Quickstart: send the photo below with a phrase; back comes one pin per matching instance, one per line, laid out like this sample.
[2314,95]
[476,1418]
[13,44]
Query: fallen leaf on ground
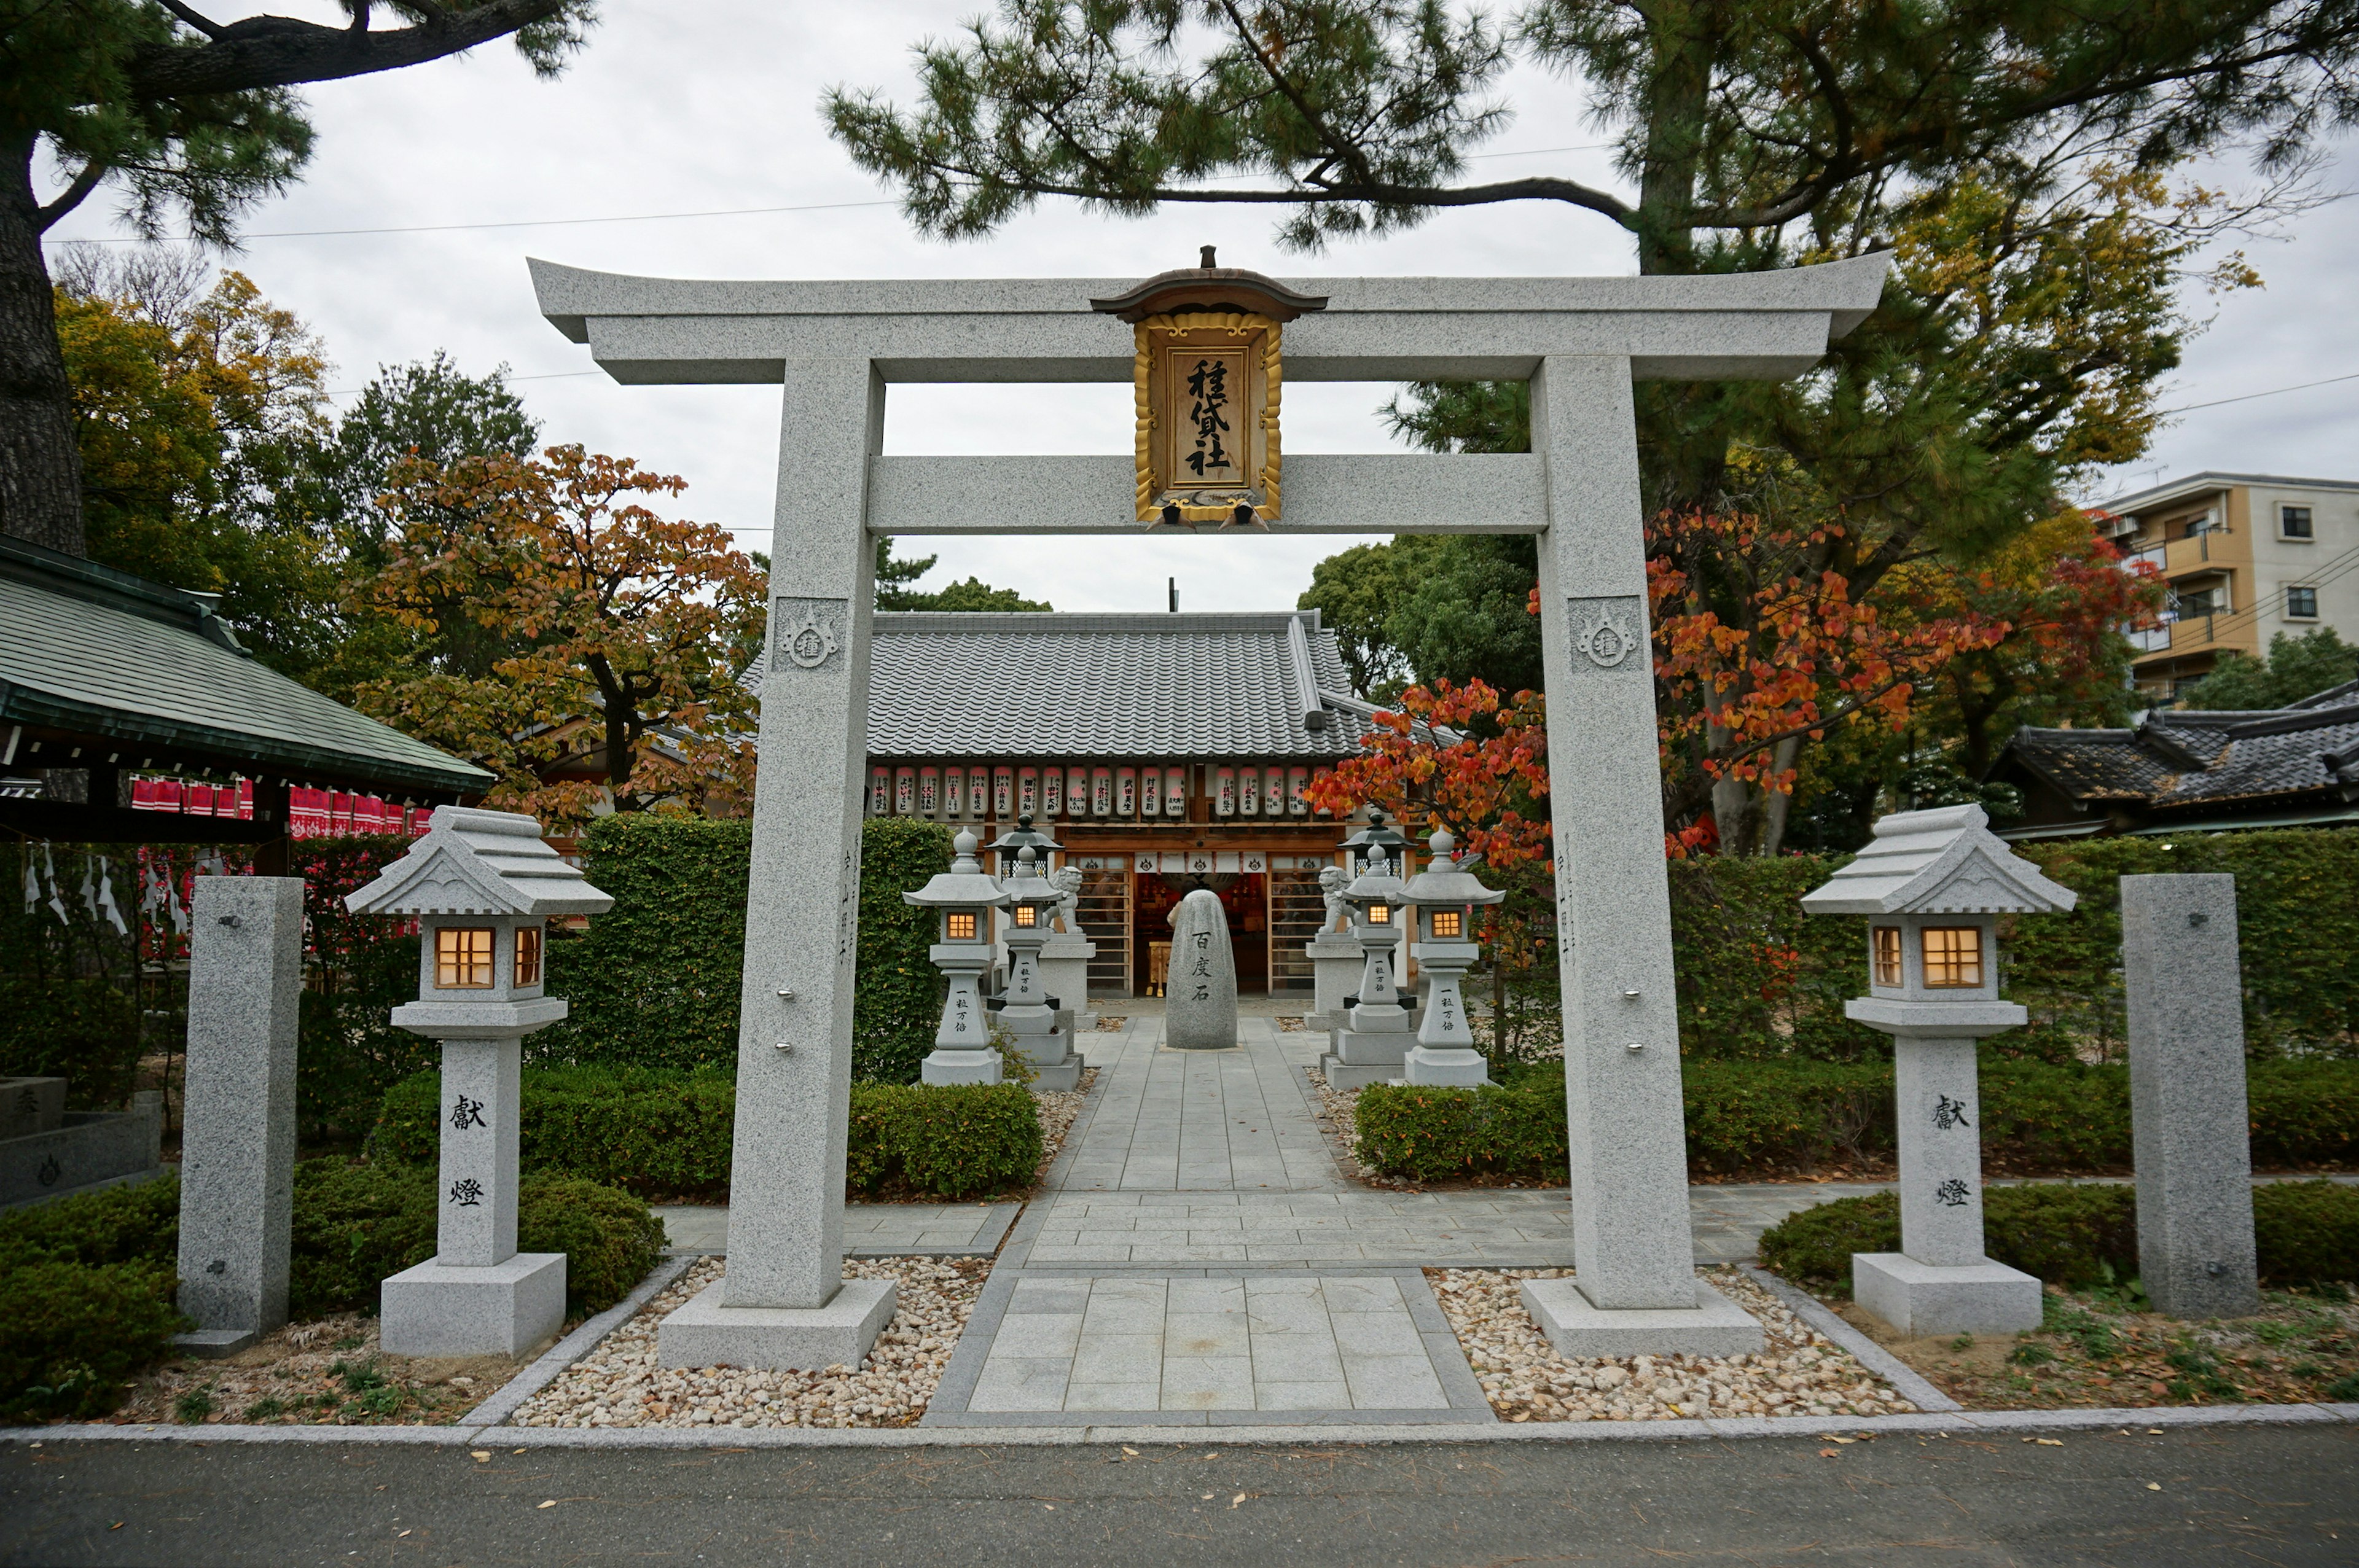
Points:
[1236,1501]
[551,1504]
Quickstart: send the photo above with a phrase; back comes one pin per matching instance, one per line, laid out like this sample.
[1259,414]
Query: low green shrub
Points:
[644,1129]
[1430,1134]
[70,1334]
[354,1224]
[2306,1233]
[663,1133]
[1744,1113]
[2303,1112]
[2303,1232]
[952,1142]
[119,1225]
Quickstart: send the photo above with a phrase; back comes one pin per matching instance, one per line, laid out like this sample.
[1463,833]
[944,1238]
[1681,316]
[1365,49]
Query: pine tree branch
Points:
[202,24]
[281,52]
[72,196]
[1536,189]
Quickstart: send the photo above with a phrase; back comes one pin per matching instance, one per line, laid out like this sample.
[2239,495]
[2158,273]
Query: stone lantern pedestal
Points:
[1933,884]
[1372,1044]
[482,885]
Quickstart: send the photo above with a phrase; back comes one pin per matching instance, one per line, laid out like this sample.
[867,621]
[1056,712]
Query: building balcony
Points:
[2215,550]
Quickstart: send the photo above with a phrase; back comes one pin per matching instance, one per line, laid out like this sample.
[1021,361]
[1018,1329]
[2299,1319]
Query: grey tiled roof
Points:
[2184,759]
[92,650]
[1147,686]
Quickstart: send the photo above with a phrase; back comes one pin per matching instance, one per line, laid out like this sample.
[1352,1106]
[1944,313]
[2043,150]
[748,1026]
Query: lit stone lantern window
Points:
[463,958]
[1206,383]
[1934,885]
[527,955]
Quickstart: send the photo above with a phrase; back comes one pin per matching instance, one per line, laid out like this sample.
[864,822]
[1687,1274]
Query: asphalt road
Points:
[2269,1495]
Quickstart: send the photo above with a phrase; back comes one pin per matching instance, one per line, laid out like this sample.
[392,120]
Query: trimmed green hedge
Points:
[655,982]
[669,1134]
[87,1283]
[2303,1232]
[86,1290]
[644,1129]
[1746,1115]
[1757,977]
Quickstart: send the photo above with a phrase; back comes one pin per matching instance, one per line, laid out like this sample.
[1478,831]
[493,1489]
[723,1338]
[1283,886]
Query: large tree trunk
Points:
[40,465]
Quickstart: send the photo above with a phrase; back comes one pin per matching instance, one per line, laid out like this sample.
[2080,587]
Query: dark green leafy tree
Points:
[193,120]
[2297,667]
[896,589]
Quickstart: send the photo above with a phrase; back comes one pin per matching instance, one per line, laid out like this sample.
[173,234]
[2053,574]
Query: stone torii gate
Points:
[834,347]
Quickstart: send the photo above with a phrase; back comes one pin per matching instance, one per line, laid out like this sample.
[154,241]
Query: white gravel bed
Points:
[1803,1373]
[619,1384]
[1059,1109]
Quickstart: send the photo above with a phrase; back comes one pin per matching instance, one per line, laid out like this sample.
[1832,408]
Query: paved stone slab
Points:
[1158,1348]
[870,1231]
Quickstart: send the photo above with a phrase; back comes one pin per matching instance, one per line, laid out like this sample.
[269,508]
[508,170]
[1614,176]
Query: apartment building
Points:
[2246,555]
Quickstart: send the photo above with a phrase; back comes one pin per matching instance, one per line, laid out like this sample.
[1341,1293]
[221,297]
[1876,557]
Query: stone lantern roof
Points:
[1209,287]
[480,863]
[966,885]
[1942,862]
[1446,881]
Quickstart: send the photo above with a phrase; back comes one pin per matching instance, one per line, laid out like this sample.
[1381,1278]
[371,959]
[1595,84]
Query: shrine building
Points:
[1163,751]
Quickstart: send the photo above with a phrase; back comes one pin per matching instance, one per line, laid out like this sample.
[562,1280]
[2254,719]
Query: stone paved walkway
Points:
[1166,1121]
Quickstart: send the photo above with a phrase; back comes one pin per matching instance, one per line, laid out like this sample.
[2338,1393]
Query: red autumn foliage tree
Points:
[1454,757]
[1759,646]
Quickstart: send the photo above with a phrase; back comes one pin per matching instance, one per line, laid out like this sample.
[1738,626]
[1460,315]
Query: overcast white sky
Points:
[685,108]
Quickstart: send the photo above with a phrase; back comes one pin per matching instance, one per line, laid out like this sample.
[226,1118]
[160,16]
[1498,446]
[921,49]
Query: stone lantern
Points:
[482,885]
[1379,834]
[1026,1008]
[1442,901]
[963,898]
[1933,884]
[1023,836]
[1374,1040]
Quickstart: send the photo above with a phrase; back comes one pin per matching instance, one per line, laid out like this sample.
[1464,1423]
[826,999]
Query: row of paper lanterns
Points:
[998,793]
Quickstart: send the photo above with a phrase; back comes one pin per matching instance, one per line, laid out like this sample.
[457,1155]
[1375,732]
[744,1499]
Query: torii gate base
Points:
[833,347]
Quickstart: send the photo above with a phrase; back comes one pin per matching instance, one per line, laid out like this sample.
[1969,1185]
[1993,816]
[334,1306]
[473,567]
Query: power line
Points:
[2247,397]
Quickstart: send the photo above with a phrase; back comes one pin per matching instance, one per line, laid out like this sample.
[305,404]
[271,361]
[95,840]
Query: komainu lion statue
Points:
[1066,880]
[1332,881]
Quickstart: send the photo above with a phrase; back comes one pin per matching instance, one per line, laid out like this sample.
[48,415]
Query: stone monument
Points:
[963,899]
[482,885]
[833,347]
[1027,1012]
[2184,990]
[49,1153]
[1934,884]
[1374,1040]
[1335,959]
[1065,955]
[1200,1008]
[237,1125]
[1443,899]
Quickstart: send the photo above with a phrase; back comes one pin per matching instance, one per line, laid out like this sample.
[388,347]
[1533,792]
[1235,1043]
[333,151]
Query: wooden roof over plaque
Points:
[1210,287]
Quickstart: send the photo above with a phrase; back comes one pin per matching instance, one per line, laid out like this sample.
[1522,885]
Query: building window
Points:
[463,958]
[959,925]
[2302,604]
[1888,954]
[1448,922]
[1954,957]
[2203,601]
[2293,522]
[527,955]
